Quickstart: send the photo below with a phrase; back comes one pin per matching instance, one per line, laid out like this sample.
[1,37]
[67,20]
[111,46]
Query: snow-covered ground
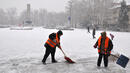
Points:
[21,51]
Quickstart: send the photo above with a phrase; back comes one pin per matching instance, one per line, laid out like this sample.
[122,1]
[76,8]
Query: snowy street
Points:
[21,51]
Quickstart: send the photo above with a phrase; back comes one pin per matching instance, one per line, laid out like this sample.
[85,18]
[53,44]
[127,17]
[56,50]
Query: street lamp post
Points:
[70,13]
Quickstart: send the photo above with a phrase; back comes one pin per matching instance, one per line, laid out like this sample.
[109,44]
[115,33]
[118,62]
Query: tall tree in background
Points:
[3,17]
[42,17]
[123,16]
[12,16]
[85,12]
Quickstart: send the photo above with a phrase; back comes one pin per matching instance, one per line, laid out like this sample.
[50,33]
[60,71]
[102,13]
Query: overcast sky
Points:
[50,5]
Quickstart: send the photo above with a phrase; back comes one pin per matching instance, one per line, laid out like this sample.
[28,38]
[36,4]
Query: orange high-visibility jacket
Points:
[53,43]
[105,49]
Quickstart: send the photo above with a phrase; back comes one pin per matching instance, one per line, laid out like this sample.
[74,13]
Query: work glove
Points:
[59,46]
[95,46]
[108,54]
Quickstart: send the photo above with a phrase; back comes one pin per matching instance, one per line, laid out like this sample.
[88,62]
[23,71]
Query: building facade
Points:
[115,14]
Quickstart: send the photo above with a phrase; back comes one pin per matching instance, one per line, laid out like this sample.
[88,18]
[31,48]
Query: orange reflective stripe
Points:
[51,43]
[106,44]
[99,41]
[57,40]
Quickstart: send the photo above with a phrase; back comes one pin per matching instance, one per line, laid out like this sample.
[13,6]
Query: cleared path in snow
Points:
[34,65]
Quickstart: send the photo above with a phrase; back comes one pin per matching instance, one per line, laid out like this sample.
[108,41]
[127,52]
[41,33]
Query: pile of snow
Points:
[22,51]
[4,26]
[64,28]
[21,28]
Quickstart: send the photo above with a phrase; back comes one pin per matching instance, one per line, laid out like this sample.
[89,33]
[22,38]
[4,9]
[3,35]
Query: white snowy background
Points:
[21,51]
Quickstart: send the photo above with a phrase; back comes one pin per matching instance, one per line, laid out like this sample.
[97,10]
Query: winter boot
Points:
[54,61]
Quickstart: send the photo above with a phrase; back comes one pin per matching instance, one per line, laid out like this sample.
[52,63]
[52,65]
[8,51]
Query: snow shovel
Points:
[67,58]
[122,60]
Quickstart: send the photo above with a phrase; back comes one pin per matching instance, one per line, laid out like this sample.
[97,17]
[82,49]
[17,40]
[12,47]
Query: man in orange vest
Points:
[50,45]
[105,46]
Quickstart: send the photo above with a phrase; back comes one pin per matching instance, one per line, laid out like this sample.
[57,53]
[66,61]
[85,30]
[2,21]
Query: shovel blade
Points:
[69,60]
[122,61]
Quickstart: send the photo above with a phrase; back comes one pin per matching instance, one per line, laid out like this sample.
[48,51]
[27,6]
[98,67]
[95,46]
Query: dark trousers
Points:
[49,50]
[105,57]
[93,36]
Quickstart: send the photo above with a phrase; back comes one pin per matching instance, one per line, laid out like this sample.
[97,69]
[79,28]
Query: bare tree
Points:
[3,17]
[90,11]
[12,16]
[42,17]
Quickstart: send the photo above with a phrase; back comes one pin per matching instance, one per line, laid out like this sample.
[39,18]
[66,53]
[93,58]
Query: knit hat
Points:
[60,32]
[103,33]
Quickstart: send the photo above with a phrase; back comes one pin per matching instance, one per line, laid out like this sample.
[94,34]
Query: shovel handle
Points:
[114,56]
[62,51]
